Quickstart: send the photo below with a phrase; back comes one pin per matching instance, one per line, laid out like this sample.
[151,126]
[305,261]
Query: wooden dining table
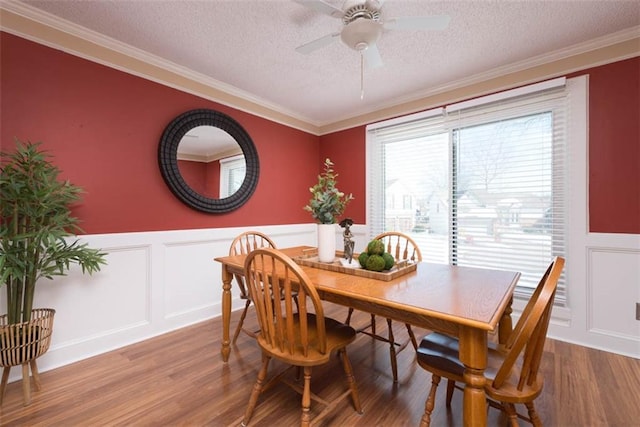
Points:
[465,302]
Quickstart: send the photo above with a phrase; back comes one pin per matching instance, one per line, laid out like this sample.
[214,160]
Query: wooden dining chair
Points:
[301,338]
[512,370]
[403,248]
[242,245]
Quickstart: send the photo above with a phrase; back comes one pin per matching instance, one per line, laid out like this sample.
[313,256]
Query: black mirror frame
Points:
[168,160]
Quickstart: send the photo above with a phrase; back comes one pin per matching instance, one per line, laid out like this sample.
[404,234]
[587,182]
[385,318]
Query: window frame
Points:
[576,174]
[227,165]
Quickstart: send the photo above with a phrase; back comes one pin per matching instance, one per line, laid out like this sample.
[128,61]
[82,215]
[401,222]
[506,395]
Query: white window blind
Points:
[408,170]
[483,185]
[232,173]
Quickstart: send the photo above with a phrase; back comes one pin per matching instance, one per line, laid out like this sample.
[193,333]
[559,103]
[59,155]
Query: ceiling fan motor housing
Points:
[362,27]
[360,11]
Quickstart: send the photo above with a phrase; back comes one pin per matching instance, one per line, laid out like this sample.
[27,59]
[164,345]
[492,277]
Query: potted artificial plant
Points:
[36,241]
[326,205]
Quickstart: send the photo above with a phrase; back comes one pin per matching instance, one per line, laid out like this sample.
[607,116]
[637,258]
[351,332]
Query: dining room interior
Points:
[156,336]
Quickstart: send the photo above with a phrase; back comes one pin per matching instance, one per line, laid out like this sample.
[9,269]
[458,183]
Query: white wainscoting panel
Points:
[614,278]
[190,277]
[603,280]
[115,299]
[153,283]
[156,282]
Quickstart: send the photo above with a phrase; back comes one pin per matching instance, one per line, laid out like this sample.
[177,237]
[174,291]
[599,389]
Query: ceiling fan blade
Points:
[435,22]
[322,7]
[314,45]
[375,4]
[372,57]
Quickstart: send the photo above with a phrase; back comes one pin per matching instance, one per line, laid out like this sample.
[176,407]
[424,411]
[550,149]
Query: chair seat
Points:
[338,336]
[439,352]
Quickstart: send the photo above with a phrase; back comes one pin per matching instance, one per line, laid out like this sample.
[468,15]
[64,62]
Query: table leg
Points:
[226,312]
[506,325]
[473,354]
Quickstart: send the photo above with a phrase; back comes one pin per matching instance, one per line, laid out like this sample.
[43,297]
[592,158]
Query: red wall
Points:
[614,150]
[614,147]
[103,127]
[346,149]
[202,177]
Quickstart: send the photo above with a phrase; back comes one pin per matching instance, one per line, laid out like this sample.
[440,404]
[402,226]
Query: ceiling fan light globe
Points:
[361,32]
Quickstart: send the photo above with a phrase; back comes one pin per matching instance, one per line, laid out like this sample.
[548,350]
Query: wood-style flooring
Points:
[179,379]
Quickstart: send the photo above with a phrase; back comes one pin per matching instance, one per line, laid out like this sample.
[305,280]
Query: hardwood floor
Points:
[179,379]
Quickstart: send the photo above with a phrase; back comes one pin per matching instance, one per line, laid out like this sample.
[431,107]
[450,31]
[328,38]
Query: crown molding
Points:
[614,47]
[547,58]
[223,93]
[35,25]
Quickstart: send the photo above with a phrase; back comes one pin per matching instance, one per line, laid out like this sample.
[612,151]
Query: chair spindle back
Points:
[245,243]
[400,246]
[273,280]
[529,335]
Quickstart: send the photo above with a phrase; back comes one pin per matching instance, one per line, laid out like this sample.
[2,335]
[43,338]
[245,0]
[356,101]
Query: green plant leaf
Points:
[37,231]
[327,203]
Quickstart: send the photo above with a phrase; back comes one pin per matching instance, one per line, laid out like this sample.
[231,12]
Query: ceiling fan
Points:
[363,24]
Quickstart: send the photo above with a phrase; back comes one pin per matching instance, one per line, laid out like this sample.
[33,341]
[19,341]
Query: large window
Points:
[477,184]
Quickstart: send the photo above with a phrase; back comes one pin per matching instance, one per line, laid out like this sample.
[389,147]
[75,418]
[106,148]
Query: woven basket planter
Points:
[21,344]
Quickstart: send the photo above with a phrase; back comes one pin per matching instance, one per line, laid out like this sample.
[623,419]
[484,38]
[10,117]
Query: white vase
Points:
[326,242]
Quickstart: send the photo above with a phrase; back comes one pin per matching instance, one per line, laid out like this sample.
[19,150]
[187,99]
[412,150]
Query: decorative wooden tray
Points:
[310,259]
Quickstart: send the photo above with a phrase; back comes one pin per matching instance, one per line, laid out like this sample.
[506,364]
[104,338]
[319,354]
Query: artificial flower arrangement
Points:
[327,202]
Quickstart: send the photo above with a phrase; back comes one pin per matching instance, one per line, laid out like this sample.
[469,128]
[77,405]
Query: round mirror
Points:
[211,162]
[208,161]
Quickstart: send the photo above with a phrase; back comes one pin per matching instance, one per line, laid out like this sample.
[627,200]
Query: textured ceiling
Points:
[249,45]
